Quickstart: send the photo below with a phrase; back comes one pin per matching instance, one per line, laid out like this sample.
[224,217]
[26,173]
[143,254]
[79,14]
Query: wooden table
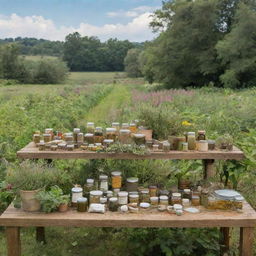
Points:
[13,219]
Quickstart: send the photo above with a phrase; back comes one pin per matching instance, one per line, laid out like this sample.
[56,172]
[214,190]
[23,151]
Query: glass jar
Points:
[195,200]
[186,202]
[80,138]
[116,180]
[155,147]
[69,139]
[41,146]
[116,125]
[90,127]
[176,198]
[98,135]
[187,193]
[149,143]
[107,143]
[95,196]
[152,191]
[49,131]
[204,197]
[144,196]
[75,132]
[103,183]
[36,138]
[201,135]
[122,198]
[202,145]
[180,141]
[211,144]
[62,146]
[191,139]
[113,204]
[70,147]
[139,139]
[184,146]
[132,184]
[164,192]
[125,136]
[125,126]
[134,199]
[88,187]
[54,147]
[163,200]
[144,206]
[47,137]
[154,201]
[133,127]
[116,191]
[82,204]
[89,138]
[166,146]
[76,192]
[111,134]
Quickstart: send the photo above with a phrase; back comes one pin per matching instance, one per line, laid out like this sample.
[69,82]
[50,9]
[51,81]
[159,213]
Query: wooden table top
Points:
[32,152]
[19,218]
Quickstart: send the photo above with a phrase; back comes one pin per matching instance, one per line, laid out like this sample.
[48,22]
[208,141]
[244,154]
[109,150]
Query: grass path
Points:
[111,106]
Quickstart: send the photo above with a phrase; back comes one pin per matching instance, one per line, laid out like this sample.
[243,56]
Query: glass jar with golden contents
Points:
[90,128]
[111,133]
[134,198]
[133,127]
[116,179]
[125,136]
[176,198]
[195,200]
[152,191]
[95,196]
[132,184]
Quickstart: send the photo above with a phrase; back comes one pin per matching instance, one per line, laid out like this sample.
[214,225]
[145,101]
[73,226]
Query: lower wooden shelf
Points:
[19,218]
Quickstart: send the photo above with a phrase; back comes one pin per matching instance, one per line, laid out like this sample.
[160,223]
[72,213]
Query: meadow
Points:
[110,96]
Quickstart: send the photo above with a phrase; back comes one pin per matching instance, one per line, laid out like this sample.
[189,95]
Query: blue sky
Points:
[51,19]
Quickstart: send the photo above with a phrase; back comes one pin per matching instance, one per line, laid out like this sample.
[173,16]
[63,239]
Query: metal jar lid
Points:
[125,131]
[47,135]
[191,133]
[122,194]
[139,135]
[111,129]
[154,198]
[113,199]
[76,130]
[203,141]
[187,190]
[116,173]
[115,124]
[82,200]
[96,193]
[133,196]
[103,177]
[164,198]
[88,135]
[77,190]
[132,180]
[90,181]
[176,194]
[90,124]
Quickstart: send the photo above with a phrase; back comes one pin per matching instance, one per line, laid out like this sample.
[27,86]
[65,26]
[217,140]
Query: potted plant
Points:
[53,199]
[225,142]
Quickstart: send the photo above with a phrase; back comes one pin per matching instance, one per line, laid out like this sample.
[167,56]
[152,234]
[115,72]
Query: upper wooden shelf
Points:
[32,152]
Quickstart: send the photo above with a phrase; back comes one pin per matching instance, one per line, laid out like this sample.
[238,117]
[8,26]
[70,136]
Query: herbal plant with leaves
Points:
[52,199]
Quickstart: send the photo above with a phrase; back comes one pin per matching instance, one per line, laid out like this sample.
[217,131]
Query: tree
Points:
[132,64]
[237,50]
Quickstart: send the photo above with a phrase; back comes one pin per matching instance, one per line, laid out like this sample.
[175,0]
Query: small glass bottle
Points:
[98,135]
[95,196]
[144,196]
[103,183]
[191,139]
[122,198]
[134,199]
[132,184]
[125,136]
[116,180]
[113,204]
[90,127]
[82,204]
[77,192]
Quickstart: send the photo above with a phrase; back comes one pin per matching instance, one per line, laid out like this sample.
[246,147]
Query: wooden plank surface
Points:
[32,152]
[17,217]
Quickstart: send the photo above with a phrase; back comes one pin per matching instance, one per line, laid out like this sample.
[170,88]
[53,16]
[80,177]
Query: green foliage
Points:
[6,195]
[132,64]
[50,200]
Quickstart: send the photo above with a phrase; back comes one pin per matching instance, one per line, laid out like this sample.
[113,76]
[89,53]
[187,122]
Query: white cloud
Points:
[39,27]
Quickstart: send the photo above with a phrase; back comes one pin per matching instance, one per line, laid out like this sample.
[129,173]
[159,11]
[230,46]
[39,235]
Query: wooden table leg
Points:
[13,241]
[209,168]
[40,235]
[246,241]
[224,240]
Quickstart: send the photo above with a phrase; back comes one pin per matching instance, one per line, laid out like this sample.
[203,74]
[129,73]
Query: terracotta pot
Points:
[29,203]
[63,207]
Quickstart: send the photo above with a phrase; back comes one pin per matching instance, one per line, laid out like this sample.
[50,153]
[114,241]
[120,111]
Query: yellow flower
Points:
[186,123]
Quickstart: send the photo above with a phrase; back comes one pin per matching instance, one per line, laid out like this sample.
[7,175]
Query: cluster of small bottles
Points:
[96,197]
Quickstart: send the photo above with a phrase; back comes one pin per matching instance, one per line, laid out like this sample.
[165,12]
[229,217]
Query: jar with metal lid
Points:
[176,198]
[47,137]
[49,131]
[133,193]
[70,147]
[125,126]
[180,141]
[98,135]
[211,144]
[134,199]
[90,127]
[155,147]
[204,197]
[122,197]
[109,193]
[133,127]
[54,147]
[116,125]
[82,204]
[144,196]
[41,146]
[186,202]
[139,139]
[116,191]
[201,135]
[95,196]
[132,184]
[113,204]
[36,138]
[187,193]
[125,136]
[75,132]
[111,133]
[184,146]
[89,186]
[69,139]
[80,138]
[166,146]
[154,201]
[203,145]
[89,138]
[152,191]
[103,183]
[191,139]
[107,142]
[195,200]
[144,206]
[163,200]
[116,180]
[77,192]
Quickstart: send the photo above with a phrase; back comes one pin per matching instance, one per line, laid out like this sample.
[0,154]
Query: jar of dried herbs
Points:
[113,204]
[144,196]
[75,132]
[132,184]
[125,136]
[176,198]
[134,198]
[191,139]
[152,191]
[82,204]
[36,138]
[89,138]
[90,127]
[116,180]
[47,137]
[95,196]
[154,201]
[111,134]
[164,200]
[139,139]
[77,192]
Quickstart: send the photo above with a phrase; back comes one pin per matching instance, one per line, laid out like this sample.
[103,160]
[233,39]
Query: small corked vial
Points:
[202,145]
[116,179]
[76,192]
[122,198]
[82,204]
[153,191]
[132,184]
[154,200]
[195,200]
[133,198]
[163,200]
[95,196]
[113,204]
